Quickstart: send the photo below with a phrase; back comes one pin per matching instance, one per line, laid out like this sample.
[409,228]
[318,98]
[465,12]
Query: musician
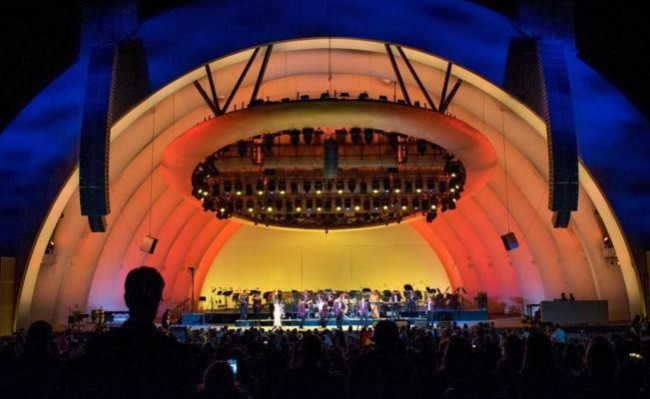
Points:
[411,307]
[430,307]
[243,305]
[363,310]
[166,319]
[395,299]
[374,304]
[303,307]
[323,310]
[257,306]
[340,308]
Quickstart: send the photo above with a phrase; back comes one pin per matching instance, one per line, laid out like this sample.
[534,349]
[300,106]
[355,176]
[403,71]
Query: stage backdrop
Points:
[268,259]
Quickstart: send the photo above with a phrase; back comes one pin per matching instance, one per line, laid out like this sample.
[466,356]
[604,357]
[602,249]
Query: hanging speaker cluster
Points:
[510,241]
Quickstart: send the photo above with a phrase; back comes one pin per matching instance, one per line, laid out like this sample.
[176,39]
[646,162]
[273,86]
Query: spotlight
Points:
[431,184]
[227,186]
[238,187]
[386,185]
[363,187]
[241,148]
[282,186]
[340,185]
[340,135]
[352,185]
[375,186]
[307,135]
[267,142]
[422,146]
[397,185]
[368,135]
[347,203]
[418,185]
[295,137]
[408,187]
[355,135]
[260,187]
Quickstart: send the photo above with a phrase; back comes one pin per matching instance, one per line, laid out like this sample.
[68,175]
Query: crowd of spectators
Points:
[385,361]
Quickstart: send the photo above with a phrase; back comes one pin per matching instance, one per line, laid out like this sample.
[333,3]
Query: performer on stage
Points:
[411,307]
[340,308]
[303,307]
[374,304]
[363,311]
[323,310]
[278,312]
[167,319]
[257,306]
[430,306]
[243,305]
[395,300]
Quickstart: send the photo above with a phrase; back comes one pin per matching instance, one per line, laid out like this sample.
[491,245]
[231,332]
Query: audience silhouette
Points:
[136,360]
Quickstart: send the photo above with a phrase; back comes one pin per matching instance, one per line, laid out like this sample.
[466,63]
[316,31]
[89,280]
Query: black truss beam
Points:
[260,76]
[240,80]
[443,94]
[213,90]
[417,79]
[402,86]
[206,98]
[452,93]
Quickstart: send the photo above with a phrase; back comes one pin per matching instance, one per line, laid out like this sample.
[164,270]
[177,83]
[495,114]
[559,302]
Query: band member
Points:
[374,304]
[243,305]
[303,308]
[430,307]
[257,306]
[411,307]
[363,310]
[395,299]
[167,319]
[323,311]
[340,308]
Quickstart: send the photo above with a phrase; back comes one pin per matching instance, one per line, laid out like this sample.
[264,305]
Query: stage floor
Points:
[233,319]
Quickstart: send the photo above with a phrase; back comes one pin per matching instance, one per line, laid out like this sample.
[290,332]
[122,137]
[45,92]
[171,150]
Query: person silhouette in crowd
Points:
[38,367]
[310,379]
[219,382]
[540,376]
[136,360]
[384,372]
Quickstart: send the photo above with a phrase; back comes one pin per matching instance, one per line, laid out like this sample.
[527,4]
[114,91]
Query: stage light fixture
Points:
[308,135]
[355,135]
[368,136]
[295,137]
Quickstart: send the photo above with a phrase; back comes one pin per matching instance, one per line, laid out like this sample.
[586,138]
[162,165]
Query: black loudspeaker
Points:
[148,244]
[95,137]
[331,159]
[536,72]
[510,241]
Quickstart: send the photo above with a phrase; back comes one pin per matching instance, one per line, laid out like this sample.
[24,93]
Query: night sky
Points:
[41,38]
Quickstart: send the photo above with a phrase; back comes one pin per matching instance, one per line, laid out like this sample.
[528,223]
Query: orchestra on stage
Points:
[364,304]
